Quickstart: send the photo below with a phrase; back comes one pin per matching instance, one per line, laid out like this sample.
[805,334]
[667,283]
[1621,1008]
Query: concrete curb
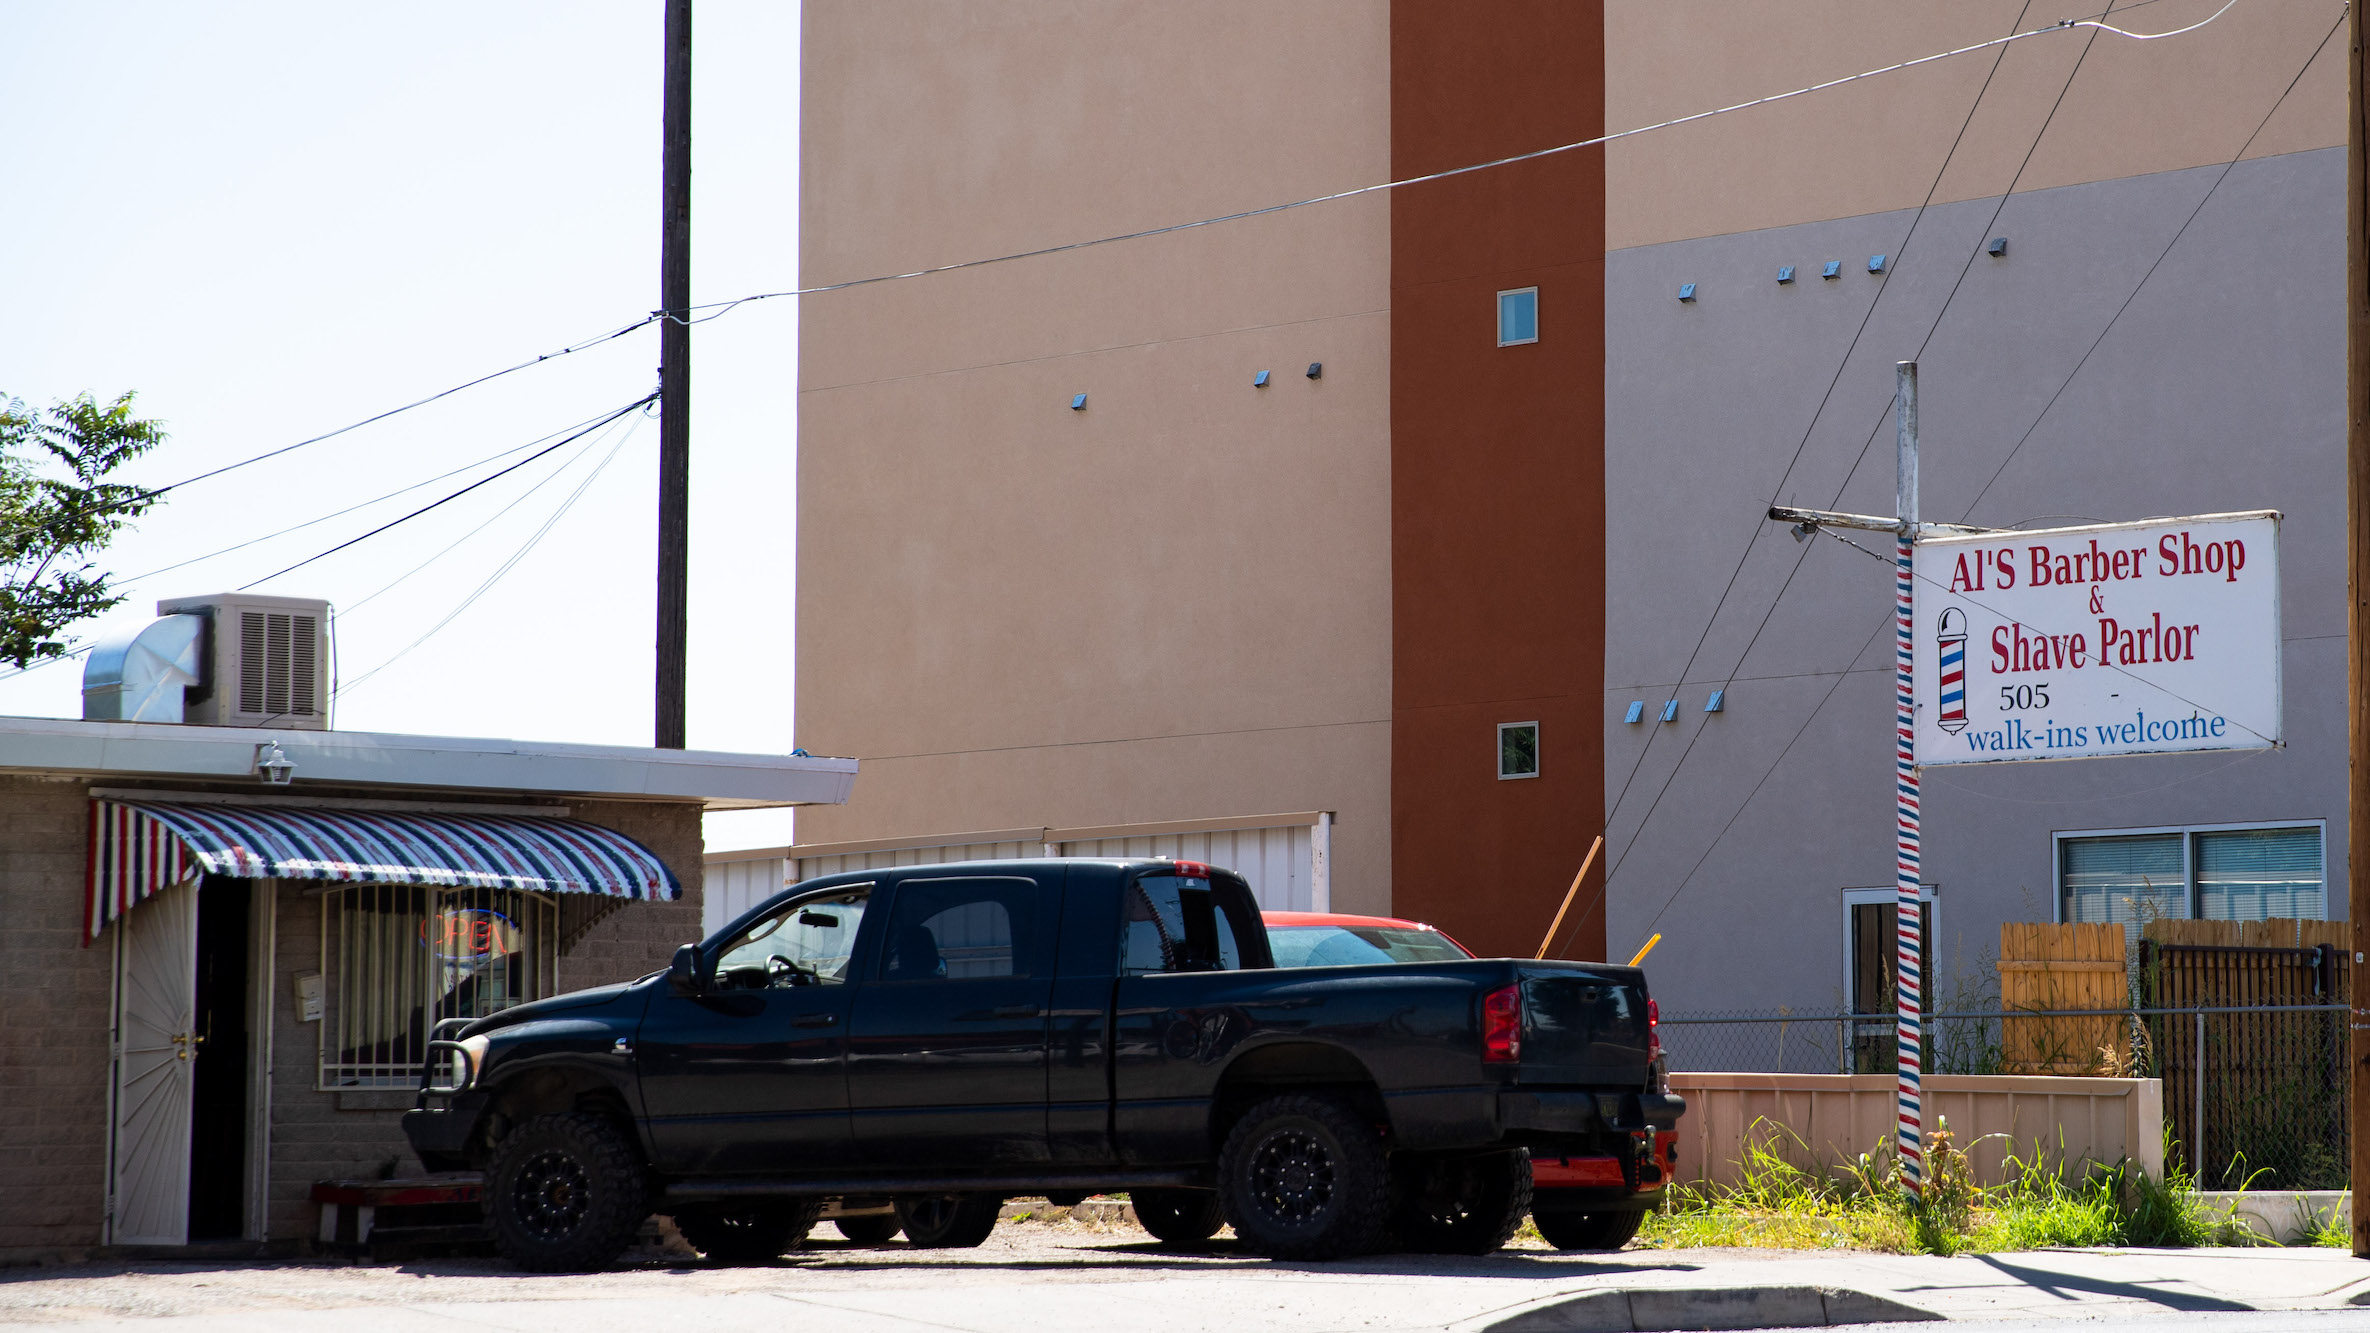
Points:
[1656,1309]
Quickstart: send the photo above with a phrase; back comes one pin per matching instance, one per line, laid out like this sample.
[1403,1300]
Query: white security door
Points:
[155,1046]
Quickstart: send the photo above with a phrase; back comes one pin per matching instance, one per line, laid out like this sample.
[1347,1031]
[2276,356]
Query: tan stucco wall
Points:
[1174,604]
[2134,107]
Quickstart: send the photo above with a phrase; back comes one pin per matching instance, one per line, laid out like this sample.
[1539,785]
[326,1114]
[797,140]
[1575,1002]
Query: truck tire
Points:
[750,1232]
[1178,1217]
[947,1221]
[868,1228]
[565,1193]
[1588,1231]
[1305,1177]
[1468,1205]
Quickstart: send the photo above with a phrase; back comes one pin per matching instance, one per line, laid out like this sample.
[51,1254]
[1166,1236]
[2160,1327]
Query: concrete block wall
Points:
[54,1012]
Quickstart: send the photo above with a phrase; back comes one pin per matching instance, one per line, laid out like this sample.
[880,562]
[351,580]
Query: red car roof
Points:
[1346,919]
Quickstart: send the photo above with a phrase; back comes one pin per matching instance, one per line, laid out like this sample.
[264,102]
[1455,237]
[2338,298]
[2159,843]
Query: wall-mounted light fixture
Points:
[1716,702]
[1670,711]
[1078,402]
[1998,246]
[1316,370]
[1637,711]
[1834,269]
[1876,263]
[1786,273]
[1686,291]
[1259,381]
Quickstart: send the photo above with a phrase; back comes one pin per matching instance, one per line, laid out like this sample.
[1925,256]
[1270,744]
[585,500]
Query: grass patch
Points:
[1778,1204]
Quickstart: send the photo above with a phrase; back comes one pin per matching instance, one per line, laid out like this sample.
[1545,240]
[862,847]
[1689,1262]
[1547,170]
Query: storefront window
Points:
[405,957]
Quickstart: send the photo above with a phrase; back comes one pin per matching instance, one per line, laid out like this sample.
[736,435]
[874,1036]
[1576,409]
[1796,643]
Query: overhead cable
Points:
[451,496]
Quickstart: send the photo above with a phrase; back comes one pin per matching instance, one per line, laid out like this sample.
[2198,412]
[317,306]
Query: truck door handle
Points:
[814,1020]
[1016,1011]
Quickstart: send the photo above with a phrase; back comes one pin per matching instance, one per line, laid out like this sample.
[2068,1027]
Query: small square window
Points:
[1518,749]
[1518,317]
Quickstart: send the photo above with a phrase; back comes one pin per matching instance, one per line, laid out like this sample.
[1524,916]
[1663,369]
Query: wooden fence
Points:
[2077,965]
[2252,1092]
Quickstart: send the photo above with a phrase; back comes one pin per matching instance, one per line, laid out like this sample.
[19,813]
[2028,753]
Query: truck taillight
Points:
[1193,869]
[1501,1025]
[1653,1025]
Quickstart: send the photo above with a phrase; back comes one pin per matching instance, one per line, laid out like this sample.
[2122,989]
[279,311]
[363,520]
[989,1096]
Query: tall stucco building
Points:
[1302,541]
[1246,541]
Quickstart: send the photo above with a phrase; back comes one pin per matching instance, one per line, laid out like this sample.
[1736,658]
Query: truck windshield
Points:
[806,943]
[1350,946]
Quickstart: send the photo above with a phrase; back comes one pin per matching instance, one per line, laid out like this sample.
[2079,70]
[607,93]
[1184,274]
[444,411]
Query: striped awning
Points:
[140,847]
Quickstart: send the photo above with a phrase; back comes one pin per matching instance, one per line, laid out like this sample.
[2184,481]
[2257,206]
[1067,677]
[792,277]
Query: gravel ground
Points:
[1048,1246]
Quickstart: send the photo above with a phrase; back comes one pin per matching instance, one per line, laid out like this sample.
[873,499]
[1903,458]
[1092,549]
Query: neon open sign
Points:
[469,934]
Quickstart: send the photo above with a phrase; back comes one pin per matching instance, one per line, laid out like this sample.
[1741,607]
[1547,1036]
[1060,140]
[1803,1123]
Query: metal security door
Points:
[155,1013]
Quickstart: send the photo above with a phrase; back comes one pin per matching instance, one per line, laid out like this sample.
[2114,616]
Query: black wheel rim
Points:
[932,1215]
[1292,1177]
[551,1195]
[1451,1207]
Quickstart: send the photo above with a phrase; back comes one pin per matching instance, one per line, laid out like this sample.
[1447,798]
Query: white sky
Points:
[275,219]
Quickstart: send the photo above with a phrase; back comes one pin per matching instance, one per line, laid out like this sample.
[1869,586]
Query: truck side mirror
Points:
[683,973]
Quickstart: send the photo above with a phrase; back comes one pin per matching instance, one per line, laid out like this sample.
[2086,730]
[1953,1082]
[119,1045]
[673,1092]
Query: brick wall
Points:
[53,1024]
[641,938]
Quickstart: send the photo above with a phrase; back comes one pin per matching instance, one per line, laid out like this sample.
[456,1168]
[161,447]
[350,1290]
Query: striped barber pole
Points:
[1909,1025]
[139,848]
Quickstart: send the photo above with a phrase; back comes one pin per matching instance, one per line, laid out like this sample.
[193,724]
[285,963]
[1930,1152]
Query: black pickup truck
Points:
[945,1037]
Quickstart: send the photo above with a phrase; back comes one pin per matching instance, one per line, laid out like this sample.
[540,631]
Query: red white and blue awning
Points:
[140,847]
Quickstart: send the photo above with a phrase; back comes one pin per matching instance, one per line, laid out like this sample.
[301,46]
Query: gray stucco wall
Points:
[2221,388]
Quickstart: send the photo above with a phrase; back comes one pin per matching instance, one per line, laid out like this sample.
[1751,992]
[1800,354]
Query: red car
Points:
[1333,939]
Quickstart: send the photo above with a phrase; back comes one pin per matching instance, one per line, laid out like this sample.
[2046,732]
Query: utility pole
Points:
[1909,966]
[674,380]
[2357,618]
[1909,1016]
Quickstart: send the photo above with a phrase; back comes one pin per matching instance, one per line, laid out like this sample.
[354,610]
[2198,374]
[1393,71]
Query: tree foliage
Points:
[58,511]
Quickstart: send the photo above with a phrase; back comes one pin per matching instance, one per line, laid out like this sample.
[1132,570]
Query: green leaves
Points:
[58,511]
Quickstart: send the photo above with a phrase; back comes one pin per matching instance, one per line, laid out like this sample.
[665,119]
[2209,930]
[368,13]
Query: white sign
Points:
[2124,638]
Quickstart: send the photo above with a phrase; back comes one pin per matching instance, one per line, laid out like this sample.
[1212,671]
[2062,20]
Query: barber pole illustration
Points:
[1951,638]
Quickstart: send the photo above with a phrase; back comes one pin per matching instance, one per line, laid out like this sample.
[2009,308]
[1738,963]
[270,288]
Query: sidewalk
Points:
[1030,1277]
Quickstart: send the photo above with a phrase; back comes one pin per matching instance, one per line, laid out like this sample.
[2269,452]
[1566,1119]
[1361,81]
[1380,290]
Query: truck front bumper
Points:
[440,1135]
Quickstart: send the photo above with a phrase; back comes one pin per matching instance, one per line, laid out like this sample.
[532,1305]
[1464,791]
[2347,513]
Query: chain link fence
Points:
[2254,1097]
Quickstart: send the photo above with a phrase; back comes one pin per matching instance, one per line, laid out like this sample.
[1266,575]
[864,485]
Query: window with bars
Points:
[404,957]
[2218,874]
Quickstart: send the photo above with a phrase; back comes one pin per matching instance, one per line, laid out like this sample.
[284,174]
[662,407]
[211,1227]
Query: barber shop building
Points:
[230,931]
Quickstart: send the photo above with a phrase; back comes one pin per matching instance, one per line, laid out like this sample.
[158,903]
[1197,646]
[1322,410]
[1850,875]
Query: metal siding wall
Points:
[736,886]
[814,867]
[1273,861]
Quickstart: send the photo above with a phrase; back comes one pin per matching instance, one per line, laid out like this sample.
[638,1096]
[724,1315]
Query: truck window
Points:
[1179,923]
[953,929]
[806,943]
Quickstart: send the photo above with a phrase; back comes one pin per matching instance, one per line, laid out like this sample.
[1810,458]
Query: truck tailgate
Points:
[1583,1023]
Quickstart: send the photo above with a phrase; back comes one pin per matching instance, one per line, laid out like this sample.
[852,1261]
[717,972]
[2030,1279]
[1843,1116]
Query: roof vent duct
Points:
[146,674]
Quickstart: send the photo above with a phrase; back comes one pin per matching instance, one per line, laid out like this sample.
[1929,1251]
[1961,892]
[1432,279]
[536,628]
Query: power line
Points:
[315,522]
[720,308]
[489,521]
[448,498]
[2160,258]
[505,567]
[1753,536]
[2315,55]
